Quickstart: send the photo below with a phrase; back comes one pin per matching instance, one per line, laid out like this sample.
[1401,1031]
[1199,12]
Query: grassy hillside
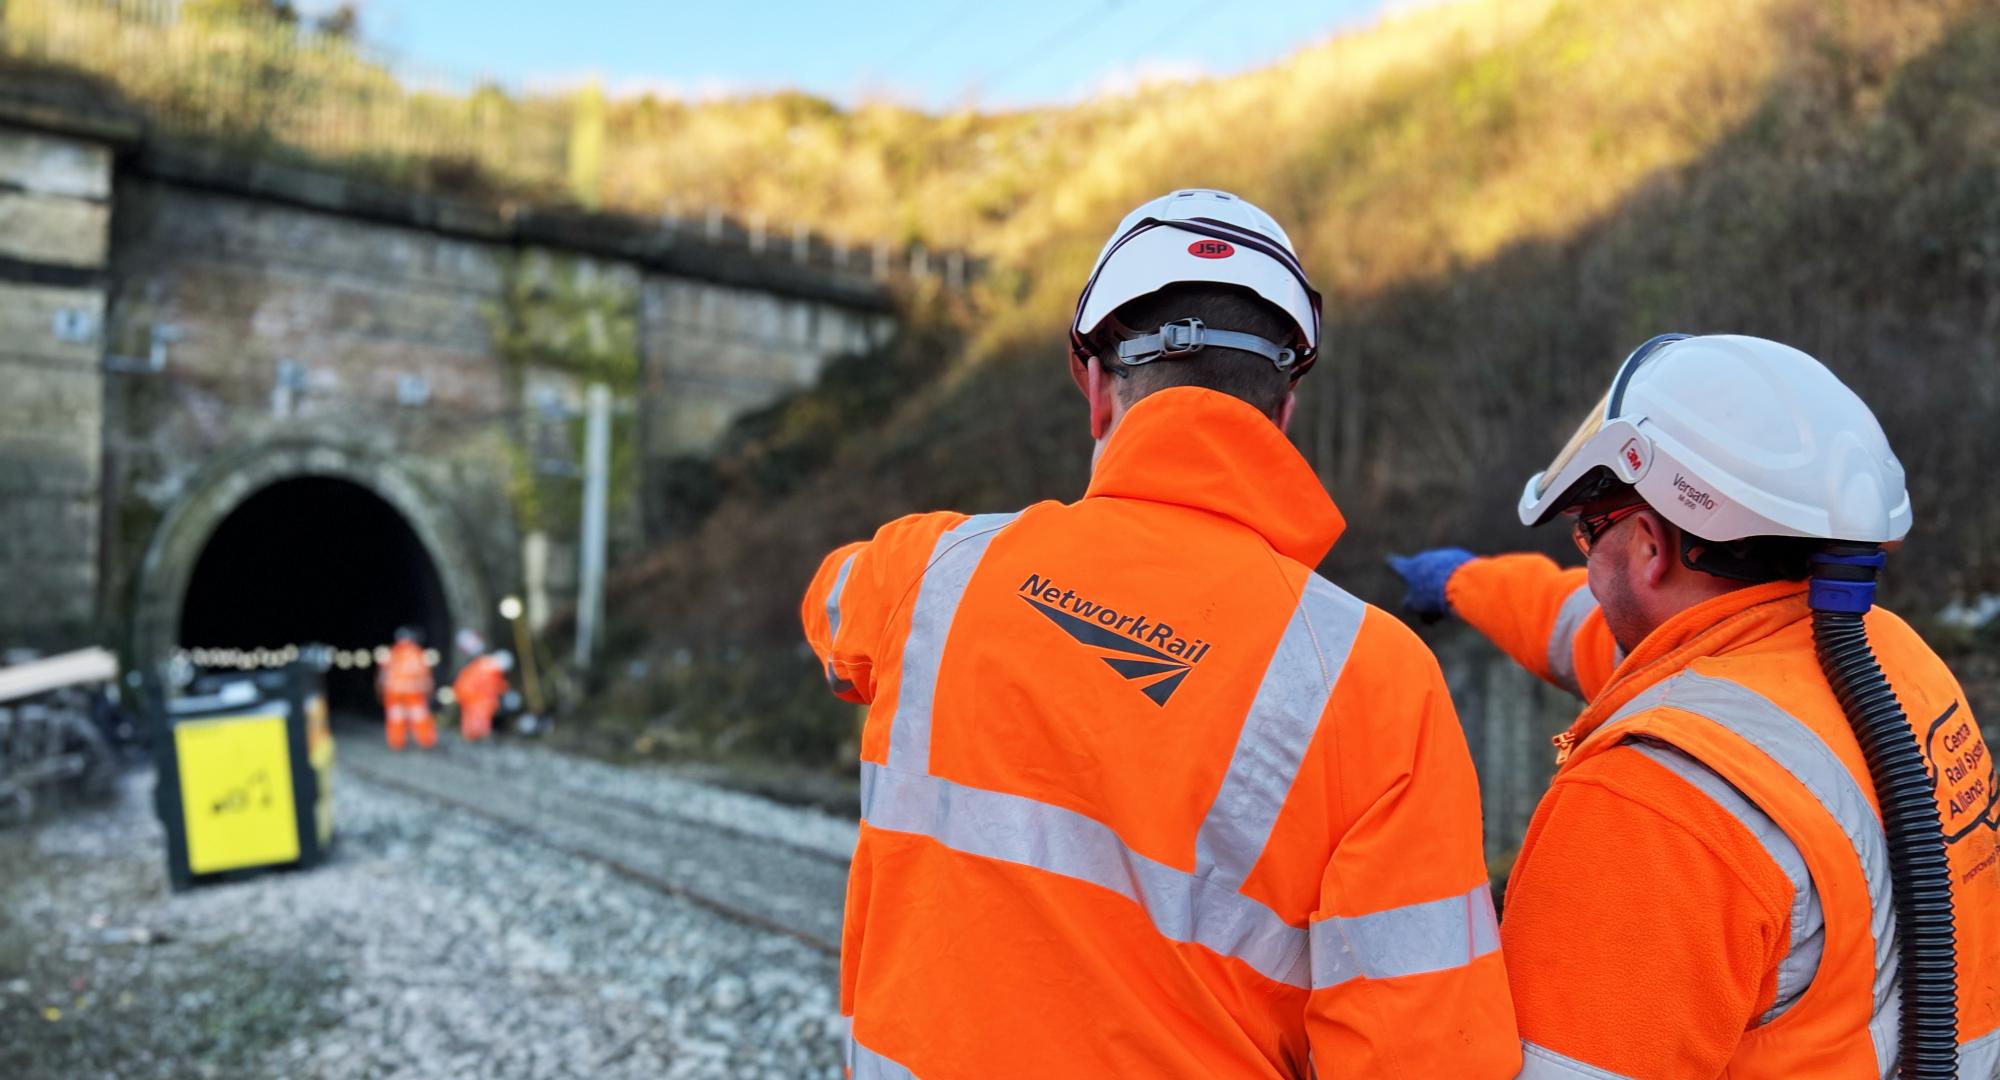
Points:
[1498,208]
[1499,198]
[1444,84]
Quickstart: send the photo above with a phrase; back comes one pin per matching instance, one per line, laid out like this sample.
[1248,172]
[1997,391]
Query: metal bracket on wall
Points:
[76,326]
[289,385]
[155,360]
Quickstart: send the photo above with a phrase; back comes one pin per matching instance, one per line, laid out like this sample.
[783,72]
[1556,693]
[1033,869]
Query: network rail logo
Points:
[1150,654]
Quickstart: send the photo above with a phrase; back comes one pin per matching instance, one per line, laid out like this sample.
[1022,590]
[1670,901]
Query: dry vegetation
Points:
[1498,198]
[1498,215]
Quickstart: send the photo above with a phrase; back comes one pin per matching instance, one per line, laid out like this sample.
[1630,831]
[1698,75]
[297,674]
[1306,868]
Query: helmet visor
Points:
[1592,424]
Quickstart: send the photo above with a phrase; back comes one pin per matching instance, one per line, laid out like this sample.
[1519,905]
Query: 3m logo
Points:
[1148,654]
[1635,460]
[1211,249]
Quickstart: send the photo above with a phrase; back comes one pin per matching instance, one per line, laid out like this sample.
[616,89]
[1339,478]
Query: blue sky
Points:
[936,54]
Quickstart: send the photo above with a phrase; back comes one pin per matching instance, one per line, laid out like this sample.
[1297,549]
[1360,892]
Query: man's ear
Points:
[1099,386]
[1654,552]
[1285,410]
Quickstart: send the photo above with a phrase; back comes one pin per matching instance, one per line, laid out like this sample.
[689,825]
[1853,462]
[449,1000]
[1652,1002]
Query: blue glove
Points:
[1426,573]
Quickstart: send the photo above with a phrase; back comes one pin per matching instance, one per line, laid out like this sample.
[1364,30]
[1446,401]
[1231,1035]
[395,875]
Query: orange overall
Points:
[405,683]
[1144,796]
[1704,890]
[478,689]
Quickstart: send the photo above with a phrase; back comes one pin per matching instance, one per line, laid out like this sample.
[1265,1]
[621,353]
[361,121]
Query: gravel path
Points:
[729,851]
[433,944]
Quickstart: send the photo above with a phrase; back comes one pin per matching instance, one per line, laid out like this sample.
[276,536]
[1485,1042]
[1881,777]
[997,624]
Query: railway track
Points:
[764,881]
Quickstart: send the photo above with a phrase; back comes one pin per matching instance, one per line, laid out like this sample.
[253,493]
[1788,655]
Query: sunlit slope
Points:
[1498,218]
[1465,123]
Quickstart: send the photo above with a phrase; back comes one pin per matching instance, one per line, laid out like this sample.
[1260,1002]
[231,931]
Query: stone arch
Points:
[228,482]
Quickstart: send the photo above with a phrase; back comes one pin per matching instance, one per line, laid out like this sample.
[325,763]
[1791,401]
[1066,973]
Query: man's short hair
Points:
[1239,374]
[1754,560]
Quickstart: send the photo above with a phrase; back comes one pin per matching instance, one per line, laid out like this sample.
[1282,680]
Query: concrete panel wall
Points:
[715,352]
[59,230]
[54,230]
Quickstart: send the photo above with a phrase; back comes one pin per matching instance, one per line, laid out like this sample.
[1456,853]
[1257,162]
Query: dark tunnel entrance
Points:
[314,560]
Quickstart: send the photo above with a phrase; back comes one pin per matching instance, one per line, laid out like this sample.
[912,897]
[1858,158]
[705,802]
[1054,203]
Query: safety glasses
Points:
[1588,528]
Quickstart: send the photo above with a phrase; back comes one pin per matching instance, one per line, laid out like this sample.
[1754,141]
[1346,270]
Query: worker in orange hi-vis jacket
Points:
[478,689]
[405,685]
[1142,794]
[1772,845]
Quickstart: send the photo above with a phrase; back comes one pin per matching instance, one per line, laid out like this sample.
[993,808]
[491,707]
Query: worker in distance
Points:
[1142,794]
[1772,846]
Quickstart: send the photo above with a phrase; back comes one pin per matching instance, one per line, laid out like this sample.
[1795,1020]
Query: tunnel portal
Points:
[314,560]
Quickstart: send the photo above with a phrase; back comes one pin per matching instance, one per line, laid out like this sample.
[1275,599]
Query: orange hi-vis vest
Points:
[406,674]
[1145,796]
[480,683]
[1705,889]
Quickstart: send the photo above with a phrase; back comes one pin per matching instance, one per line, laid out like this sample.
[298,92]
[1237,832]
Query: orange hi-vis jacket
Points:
[480,683]
[1705,889]
[1142,795]
[406,675]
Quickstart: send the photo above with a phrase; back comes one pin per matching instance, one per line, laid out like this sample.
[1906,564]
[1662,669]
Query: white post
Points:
[596,485]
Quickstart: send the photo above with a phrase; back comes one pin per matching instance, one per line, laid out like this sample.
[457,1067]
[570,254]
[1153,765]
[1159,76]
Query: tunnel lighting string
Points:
[323,657]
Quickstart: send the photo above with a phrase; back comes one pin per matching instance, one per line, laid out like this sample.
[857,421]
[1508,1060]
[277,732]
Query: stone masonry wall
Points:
[277,326]
[458,355]
[178,327]
[55,214]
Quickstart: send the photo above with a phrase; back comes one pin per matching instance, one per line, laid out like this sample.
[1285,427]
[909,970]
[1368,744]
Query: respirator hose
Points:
[1842,591]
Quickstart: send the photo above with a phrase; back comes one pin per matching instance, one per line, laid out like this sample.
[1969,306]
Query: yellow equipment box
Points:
[245,776]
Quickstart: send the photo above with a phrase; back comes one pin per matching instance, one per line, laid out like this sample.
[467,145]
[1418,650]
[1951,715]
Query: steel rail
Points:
[621,867]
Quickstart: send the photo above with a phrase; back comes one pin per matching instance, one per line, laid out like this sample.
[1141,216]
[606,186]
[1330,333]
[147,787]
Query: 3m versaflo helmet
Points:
[1731,437]
[1196,235]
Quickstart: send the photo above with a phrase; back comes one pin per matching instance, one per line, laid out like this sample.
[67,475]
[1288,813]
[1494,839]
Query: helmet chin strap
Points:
[1183,337]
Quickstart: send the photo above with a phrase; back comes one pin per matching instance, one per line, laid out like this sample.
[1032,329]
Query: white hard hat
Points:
[1731,437]
[1200,235]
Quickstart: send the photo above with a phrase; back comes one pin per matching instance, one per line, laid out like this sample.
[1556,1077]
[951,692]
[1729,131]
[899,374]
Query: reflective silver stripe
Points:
[1798,751]
[1297,685]
[833,598]
[1885,1030]
[1576,607]
[1808,922]
[866,1064]
[1542,1063]
[840,685]
[953,560]
[1436,935]
[1980,1058]
[995,825]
